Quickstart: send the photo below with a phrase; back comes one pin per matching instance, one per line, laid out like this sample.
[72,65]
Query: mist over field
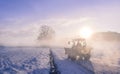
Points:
[106,48]
[59,37]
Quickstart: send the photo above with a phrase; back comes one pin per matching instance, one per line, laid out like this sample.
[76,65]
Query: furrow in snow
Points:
[66,66]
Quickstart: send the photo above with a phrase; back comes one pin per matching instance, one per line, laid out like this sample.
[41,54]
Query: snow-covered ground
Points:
[24,60]
[33,60]
[106,57]
[66,66]
[97,65]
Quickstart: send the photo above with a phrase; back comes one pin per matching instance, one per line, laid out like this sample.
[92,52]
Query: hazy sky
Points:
[21,19]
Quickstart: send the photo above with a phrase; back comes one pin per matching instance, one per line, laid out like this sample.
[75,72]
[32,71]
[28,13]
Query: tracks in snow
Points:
[65,66]
[87,65]
[36,62]
[53,65]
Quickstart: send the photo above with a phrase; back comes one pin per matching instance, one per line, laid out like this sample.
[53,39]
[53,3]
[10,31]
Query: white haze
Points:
[106,53]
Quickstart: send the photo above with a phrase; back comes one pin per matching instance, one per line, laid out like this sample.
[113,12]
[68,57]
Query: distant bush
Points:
[106,36]
[46,33]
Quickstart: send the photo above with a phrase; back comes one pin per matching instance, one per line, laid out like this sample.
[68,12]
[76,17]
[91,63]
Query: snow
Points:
[34,60]
[24,61]
[101,67]
[66,66]
[97,65]
[106,57]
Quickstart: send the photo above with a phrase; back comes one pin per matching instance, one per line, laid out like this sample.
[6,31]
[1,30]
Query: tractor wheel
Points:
[69,57]
[87,57]
[80,57]
[73,58]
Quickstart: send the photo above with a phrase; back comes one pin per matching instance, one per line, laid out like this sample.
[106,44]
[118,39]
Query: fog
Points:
[106,52]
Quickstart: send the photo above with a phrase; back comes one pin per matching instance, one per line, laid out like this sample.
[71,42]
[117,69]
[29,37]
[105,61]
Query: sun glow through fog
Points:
[86,32]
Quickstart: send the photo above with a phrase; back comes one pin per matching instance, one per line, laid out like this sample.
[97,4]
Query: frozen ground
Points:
[66,66]
[33,60]
[24,61]
[97,65]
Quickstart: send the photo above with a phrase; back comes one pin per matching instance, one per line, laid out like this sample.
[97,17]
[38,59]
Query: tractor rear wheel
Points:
[87,57]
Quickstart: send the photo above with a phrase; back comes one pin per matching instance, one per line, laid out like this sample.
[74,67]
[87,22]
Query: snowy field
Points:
[24,61]
[98,65]
[66,66]
[33,60]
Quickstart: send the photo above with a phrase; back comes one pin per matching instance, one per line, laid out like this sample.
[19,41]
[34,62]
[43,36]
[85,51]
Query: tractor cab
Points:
[79,42]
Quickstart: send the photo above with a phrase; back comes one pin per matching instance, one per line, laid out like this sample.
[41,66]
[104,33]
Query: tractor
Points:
[79,50]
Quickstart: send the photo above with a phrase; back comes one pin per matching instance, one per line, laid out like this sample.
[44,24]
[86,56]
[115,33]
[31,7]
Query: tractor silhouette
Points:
[79,50]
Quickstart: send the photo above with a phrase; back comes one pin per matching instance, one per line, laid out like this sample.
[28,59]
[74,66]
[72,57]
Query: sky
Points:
[20,19]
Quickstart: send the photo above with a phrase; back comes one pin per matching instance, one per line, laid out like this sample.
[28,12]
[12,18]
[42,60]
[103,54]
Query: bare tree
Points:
[46,33]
